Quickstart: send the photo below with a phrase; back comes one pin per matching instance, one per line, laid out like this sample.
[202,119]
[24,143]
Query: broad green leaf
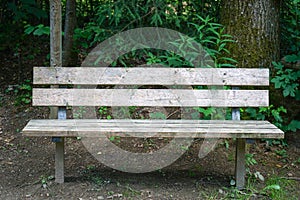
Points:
[294,125]
[272,187]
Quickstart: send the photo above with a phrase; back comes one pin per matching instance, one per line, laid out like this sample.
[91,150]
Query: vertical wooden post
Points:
[59,160]
[60,149]
[240,170]
[56,61]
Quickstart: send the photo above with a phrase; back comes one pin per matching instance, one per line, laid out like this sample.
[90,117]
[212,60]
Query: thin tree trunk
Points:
[69,58]
[254,24]
[92,12]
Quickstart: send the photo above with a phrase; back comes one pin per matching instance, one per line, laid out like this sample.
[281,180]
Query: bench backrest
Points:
[163,90]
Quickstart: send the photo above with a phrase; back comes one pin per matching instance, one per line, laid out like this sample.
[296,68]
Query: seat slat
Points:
[155,123]
[168,128]
[149,97]
[150,76]
[152,121]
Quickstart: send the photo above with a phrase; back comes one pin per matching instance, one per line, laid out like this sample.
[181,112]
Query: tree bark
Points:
[254,24]
[69,59]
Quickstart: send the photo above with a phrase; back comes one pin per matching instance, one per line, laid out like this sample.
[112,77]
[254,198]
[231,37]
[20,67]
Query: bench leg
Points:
[240,170]
[59,161]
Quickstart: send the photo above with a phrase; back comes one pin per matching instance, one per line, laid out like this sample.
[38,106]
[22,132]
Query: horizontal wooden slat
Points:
[161,128]
[149,97]
[150,76]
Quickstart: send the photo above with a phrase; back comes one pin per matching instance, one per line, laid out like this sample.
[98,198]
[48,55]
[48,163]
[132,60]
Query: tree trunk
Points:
[254,24]
[69,58]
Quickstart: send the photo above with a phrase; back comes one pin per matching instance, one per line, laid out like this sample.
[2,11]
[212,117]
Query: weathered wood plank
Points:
[155,123]
[55,42]
[97,129]
[149,97]
[201,128]
[150,76]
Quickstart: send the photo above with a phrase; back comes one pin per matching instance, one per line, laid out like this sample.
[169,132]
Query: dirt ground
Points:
[27,164]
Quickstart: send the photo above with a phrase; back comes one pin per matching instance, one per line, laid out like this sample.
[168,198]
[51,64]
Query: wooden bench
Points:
[64,96]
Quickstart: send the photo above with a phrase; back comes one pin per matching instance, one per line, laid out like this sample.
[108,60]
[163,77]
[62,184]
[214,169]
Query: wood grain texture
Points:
[162,128]
[150,76]
[149,97]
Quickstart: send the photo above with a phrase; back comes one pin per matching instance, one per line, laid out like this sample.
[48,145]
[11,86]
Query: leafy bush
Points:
[115,17]
[266,113]
[287,79]
[213,39]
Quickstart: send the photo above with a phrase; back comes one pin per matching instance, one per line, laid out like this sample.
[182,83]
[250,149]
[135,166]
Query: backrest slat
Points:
[149,97]
[150,76]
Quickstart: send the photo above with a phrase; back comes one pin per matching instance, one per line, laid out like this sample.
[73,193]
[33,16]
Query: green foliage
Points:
[207,33]
[271,142]
[78,113]
[25,9]
[157,115]
[281,152]
[213,40]
[14,14]
[250,159]
[103,111]
[152,59]
[287,79]
[44,180]
[294,125]
[275,188]
[116,139]
[37,30]
[266,113]
[272,114]
[214,113]
[22,92]
[278,188]
[212,37]
[207,112]
[115,17]
[90,35]
[290,23]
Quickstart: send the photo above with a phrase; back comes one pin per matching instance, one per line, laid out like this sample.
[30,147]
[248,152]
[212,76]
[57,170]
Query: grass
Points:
[275,188]
[284,191]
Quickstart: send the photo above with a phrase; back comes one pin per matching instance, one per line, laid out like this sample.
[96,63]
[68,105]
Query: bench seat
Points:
[160,128]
